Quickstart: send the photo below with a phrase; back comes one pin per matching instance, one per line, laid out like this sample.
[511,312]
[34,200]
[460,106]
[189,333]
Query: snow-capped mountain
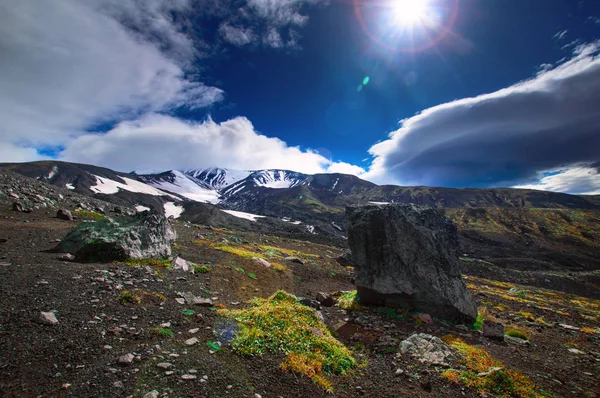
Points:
[275,179]
[313,203]
[217,178]
[177,182]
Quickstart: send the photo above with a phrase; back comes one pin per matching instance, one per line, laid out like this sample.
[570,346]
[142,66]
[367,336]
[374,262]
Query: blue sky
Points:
[505,97]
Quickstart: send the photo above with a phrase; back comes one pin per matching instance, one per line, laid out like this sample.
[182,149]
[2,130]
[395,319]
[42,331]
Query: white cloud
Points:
[577,180]
[273,38]
[158,142]
[345,168]
[561,35]
[274,23]
[502,138]
[13,153]
[67,65]
[280,12]
[236,35]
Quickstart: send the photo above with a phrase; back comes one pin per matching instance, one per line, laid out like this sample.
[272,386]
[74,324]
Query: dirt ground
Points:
[79,356]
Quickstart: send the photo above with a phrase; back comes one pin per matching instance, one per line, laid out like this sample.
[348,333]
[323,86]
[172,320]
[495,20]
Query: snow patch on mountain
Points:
[69,186]
[171,209]
[108,186]
[277,179]
[380,203]
[140,208]
[52,173]
[218,178]
[186,186]
[241,214]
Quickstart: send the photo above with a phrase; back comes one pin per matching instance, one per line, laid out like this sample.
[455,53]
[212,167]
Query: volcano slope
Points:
[143,329]
[106,311]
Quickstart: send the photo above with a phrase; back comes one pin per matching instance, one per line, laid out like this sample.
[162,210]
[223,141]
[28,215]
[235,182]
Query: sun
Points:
[409,13]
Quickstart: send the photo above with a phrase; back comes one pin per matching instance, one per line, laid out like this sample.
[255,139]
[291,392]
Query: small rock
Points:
[151,394]
[179,264]
[204,302]
[426,348]
[107,347]
[180,300]
[311,303]
[48,318]
[189,377]
[489,371]
[118,384]
[18,206]
[194,331]
[125,360]
[516,340]
[426,318]
[169,373]
[66,257]
[64,214]
[493,330]
[575,351]
[164,365]
[325,299]
[191,341]
[261,261]
[568,327]
[257,396]
[399,372]
[165,325]
[294,260]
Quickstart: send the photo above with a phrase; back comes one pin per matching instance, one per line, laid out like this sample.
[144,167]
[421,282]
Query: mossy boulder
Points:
[139,236]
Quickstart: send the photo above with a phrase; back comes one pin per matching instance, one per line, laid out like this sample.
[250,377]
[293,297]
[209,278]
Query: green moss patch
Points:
[281,324]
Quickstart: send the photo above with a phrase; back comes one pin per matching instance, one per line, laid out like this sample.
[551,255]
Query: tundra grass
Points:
[486,375]
[88,214]
[281,324]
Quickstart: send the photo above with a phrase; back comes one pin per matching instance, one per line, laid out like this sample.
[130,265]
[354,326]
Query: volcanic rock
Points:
[407,256]
[139,236]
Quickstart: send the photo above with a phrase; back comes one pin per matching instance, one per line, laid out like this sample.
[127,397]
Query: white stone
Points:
[48,318]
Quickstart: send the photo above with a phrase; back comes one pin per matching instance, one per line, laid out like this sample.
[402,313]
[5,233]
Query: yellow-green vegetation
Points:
[136,296]
[572,224]
[152,262]
[229,248]
[481,315]
[250,251]
[128,296]
[201,269]
[165,332]
[588,330]
[517,333]
[349,301]
[279,267]
[501,382]
[279,252]
[88,214]
[281,324]
[542,299]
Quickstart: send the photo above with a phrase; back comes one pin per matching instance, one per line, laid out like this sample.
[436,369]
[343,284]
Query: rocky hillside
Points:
[149,328]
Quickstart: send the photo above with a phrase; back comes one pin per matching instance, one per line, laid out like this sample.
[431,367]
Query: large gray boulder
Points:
[407,256]
[139,236]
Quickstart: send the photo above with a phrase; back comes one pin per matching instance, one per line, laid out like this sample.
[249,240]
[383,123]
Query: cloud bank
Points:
[509,137]
[158,142]
[68,65]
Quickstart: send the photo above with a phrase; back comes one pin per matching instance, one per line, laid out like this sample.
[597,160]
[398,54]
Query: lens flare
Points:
[410,12]
[406,25]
